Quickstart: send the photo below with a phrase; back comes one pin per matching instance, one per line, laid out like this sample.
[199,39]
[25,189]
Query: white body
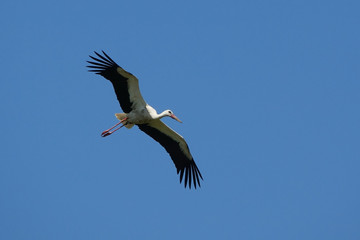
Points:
[138,112]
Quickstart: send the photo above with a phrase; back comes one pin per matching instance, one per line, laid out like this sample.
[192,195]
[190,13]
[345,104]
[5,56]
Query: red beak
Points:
[174,117]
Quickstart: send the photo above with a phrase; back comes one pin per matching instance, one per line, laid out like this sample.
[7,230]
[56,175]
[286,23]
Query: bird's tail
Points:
[121,116]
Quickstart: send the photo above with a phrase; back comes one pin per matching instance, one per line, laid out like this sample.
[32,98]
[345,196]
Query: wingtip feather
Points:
[190,177]
[186,176]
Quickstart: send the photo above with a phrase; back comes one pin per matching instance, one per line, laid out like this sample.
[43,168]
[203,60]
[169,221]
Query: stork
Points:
[138,112]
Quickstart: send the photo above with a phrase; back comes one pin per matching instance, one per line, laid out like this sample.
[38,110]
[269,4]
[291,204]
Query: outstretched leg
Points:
[108,132]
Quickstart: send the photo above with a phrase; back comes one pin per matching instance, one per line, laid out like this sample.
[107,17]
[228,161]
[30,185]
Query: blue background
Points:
[268,92]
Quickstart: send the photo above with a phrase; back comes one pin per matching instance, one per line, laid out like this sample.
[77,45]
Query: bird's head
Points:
[171,114]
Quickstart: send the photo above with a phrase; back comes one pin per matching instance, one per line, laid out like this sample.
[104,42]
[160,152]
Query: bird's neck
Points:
[161,115]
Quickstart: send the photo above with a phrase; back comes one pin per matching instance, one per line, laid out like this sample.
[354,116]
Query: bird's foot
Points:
[106,133]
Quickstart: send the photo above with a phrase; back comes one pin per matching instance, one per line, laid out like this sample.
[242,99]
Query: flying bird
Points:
[138,112]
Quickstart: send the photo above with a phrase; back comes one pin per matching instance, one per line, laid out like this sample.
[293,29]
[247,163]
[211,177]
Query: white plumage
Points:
[138,112]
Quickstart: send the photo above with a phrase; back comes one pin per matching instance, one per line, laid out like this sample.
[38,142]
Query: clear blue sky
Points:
[268,92]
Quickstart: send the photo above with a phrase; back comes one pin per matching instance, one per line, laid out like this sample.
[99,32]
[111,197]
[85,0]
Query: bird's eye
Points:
[169,112]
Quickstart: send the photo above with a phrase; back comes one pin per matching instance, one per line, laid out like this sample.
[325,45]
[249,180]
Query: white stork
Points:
[138,112]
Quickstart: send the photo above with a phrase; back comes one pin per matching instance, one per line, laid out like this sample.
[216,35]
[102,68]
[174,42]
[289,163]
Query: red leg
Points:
[108,132]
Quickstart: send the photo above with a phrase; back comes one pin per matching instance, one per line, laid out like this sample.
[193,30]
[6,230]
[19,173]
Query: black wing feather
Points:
[181,161]
[194,173]
[107,68]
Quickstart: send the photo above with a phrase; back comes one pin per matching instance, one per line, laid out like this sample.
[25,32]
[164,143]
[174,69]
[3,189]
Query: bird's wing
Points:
[176,146]
[125,84]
